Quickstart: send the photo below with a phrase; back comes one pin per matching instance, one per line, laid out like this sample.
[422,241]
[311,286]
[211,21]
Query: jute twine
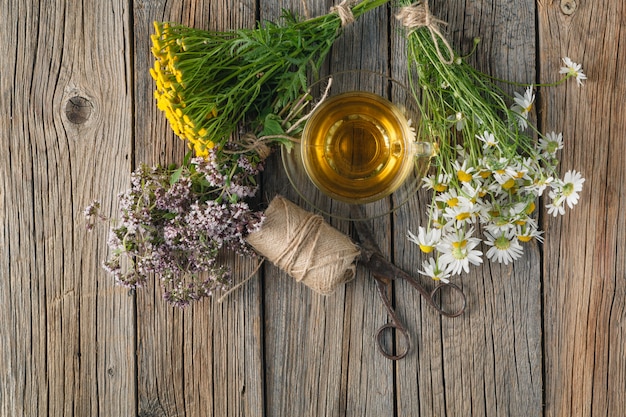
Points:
[344,10]
[250,142]
[417,16]
[305,246]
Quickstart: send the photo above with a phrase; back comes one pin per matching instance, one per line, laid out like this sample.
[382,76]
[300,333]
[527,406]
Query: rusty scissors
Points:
[384,273]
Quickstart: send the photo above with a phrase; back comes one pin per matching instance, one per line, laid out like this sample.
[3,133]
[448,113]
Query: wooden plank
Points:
[584,267]
[488,361]
[370,386]
[66,140]
[206,360]
[322,358]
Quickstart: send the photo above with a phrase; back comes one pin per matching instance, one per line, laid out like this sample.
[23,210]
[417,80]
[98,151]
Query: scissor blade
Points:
[366,237]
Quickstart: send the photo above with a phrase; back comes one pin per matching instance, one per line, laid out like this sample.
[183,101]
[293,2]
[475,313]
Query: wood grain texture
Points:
[206,360]
[584,270]
[322,359]
[544,337]
[488,361]
[65,130]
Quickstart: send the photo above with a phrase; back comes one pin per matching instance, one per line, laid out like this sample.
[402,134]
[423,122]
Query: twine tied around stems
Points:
[344,10]
[261,145]
[417,16]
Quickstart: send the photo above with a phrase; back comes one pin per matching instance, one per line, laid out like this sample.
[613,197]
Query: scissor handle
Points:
[439,308]
[381,347]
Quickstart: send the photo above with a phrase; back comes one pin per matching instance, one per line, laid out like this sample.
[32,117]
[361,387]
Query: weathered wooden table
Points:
[545,336]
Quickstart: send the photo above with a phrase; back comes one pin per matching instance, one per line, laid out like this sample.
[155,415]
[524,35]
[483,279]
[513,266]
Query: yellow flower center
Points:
[502,243]
[462,216]
[463,176]
[459,244]
[568,189]
[426,248]
[510,183]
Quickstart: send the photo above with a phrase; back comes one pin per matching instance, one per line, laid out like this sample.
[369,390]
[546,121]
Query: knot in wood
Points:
[568,7]
[78,110]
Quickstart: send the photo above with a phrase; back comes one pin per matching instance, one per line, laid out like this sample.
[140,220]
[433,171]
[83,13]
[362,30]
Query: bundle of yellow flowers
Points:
[210,83]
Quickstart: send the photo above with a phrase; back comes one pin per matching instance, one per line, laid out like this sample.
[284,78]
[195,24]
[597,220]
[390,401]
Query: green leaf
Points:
[176,175]
[272,126]
[187,158]
[169,216]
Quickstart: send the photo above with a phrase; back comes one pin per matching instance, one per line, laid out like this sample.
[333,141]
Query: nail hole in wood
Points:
[568,6]
[78,110]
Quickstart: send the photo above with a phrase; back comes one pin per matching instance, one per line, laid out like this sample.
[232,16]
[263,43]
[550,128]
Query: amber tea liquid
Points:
[357,147]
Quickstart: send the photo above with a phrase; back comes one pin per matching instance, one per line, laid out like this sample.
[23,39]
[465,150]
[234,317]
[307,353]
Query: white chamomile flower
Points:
[486,211]
[458,214]
[555,207]
[500,224]
[529,231]
[539,184]
[474,192]
[572,69]
[458,251]
[488,139]
[505,180]
[436,217]
[458,119]
[519,169]
[523,105]
[426,240]
[519,211]
[505,247]
[438,183]
[435,271]
[449,198]
[550,143]
[572,185]
[464,172]
[465,211]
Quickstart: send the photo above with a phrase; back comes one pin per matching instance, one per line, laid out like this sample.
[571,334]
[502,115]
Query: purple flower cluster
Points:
[91,213]
[238,181]
[173,223]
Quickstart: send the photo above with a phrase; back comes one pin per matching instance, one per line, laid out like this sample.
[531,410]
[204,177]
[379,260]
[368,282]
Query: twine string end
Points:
[242,283]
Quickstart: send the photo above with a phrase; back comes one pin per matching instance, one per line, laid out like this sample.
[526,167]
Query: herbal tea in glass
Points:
[358,147]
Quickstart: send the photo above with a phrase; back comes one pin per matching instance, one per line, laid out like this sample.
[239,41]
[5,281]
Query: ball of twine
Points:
[306,247]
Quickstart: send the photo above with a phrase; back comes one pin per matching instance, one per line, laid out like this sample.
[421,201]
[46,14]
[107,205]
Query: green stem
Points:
[518,84]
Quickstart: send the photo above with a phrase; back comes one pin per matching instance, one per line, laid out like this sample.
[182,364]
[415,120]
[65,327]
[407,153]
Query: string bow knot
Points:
[417,16]
[344,10]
